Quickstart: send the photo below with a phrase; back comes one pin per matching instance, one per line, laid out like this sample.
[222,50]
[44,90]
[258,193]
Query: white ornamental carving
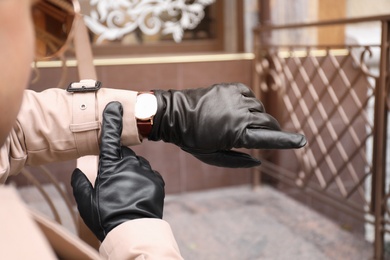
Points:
[112,19]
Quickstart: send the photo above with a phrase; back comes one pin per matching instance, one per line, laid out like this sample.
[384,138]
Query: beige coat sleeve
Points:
[55,125]
[140,239]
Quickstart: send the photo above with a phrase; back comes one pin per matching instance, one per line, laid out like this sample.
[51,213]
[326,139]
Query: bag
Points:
[54,25]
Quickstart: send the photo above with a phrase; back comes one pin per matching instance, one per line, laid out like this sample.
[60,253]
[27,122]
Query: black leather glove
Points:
[126,187]
[209,122]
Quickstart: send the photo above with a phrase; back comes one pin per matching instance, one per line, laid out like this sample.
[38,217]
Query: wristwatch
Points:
[145,109]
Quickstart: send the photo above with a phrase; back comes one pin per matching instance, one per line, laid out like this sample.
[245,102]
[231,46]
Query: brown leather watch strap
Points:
[144,127]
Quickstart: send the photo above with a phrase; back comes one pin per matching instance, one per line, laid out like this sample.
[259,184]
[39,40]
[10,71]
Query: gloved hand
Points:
[209,122]
[126,187]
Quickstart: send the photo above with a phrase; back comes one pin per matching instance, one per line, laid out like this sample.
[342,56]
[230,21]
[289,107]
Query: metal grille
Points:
[329,94]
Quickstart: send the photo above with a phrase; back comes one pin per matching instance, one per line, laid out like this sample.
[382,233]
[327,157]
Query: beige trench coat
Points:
[55,125]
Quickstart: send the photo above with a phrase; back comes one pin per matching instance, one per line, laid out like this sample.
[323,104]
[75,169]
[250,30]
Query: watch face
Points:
[145,106]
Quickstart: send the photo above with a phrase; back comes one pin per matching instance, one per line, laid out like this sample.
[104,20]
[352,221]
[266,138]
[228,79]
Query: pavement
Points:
[242,223]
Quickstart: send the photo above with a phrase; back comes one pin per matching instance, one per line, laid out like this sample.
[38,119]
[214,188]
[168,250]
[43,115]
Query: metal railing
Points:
[329,93]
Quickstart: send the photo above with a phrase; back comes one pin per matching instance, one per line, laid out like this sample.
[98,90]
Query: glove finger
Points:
[254,105]
[82,190]
[270,139]
[110,148]
[245,90]
[146,165]
[250,100]
[227,159]
[263,121]
[128,153]
[141,161]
